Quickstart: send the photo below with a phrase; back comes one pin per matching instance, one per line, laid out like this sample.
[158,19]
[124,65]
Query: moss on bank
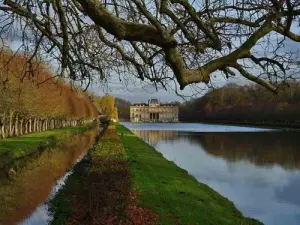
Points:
[177,197]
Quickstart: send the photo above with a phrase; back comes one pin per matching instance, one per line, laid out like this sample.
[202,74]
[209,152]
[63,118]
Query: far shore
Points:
[288,126]
[272,125]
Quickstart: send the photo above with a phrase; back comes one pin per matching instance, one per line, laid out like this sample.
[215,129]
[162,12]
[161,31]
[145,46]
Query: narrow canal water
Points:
[23,199]
[257,169]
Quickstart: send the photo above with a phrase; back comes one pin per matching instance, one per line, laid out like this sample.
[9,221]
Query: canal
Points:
[23,198]
[258,169]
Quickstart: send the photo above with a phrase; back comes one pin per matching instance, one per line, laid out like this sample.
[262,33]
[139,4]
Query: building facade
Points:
[154,111]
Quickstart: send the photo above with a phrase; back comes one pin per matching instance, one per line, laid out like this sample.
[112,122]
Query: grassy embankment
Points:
[126,181]
[15,148]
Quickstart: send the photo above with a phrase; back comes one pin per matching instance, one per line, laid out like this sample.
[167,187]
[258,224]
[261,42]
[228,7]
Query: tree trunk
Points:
[21,126]
[39,125]
[42,126]
[3,126]
[35,125]
[16,125]
[30,125]
[11,114]
[26,126]
[3,131]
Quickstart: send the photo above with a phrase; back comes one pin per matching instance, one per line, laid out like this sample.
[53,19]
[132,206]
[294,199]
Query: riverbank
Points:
[123,180]
[279,126]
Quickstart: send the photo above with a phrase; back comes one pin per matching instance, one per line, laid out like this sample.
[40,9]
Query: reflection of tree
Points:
[290,192]
[261,148]
[154,136]
[33,183]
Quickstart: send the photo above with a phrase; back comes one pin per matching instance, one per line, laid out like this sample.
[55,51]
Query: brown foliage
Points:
[32,100]
[38,93]
[106,105]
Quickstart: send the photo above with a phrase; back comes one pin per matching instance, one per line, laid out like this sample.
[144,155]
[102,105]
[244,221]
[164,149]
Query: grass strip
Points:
[176,196]
[18,147]
[99,189]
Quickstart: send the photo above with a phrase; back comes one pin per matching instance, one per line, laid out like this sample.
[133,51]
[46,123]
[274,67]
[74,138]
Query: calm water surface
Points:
[257,169]
[38,178]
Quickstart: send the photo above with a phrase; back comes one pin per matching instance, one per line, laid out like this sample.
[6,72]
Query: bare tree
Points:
[186,41]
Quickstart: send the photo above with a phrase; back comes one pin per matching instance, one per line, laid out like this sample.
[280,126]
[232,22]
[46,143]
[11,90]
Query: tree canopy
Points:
[163,41]
[248,104]
[106,105]
[41,96]
[38,103]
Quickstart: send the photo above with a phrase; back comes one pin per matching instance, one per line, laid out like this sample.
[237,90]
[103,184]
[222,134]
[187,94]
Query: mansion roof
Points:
[154,102]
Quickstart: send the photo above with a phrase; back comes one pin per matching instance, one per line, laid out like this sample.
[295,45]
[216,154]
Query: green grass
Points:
[171,192]
[19,147]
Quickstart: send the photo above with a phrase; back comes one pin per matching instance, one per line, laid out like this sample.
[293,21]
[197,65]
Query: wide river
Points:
[257,169]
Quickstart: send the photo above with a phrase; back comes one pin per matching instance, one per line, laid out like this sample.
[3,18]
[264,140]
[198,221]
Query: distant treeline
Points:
[123,107]
[247,104]
[34,102]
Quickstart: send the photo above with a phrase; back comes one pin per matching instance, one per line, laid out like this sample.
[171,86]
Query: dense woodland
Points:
[37,102]
[247,104]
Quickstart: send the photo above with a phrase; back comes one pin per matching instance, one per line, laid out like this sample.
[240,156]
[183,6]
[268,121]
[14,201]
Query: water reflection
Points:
[34,181]
[153,137]
[258,171]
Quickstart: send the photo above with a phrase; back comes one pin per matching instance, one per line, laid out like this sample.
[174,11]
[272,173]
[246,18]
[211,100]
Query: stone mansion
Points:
[154,111]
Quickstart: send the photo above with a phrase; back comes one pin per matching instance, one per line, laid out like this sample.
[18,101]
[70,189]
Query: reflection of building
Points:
[154,111]
[154,136]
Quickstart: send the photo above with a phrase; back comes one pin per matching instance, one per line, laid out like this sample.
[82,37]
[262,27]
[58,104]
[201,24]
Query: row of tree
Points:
[247,104]
[106,107]
[36,101]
